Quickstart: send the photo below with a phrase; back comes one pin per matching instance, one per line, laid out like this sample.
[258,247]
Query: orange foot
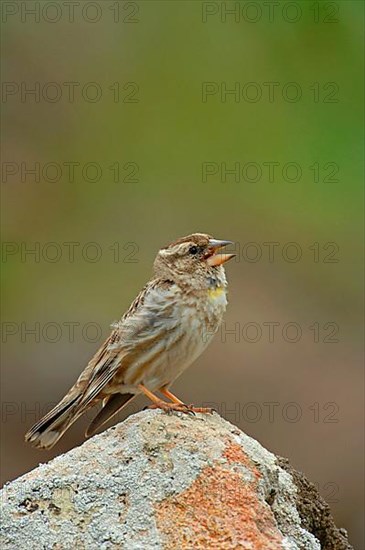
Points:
[180,407]
[204,410]
[171,407]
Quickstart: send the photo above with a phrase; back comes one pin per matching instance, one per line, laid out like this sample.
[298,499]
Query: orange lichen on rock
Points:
[220,510]
[234,454]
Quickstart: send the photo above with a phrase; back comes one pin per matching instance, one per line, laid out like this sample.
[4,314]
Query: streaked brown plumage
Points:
[165,329]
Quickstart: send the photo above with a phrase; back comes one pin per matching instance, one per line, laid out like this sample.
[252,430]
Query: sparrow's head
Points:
[193,260]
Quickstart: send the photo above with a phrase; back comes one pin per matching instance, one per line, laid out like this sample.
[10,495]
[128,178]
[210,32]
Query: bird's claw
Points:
[202,410]
[169,408]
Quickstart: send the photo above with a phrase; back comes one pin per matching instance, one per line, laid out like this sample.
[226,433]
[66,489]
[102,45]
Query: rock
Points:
[159,481]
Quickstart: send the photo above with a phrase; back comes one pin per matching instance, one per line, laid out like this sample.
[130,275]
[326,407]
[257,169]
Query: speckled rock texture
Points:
[167,482]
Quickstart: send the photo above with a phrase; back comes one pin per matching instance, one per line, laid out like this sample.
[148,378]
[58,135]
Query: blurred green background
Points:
[162,131]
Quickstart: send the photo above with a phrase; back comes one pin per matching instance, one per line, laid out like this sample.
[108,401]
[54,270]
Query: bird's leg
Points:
[159,404]
[170,396]
[177,401]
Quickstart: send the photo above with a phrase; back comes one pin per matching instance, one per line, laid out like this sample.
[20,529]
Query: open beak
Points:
[213,256]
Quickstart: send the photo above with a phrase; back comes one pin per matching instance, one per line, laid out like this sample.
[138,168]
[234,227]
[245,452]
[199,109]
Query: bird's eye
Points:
[193,250]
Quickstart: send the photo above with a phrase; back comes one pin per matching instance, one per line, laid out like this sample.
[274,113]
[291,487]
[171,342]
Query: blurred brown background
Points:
[135,93]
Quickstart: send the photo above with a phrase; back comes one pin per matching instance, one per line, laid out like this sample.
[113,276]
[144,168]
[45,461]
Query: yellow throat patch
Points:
[215,293]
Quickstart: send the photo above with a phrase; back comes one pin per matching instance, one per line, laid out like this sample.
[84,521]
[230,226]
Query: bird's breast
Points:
[180,337]
[213,307]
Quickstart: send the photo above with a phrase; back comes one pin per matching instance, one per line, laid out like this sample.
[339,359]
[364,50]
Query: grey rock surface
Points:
[175,482]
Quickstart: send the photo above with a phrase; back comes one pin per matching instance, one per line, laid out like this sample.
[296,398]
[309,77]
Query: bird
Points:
[167,326]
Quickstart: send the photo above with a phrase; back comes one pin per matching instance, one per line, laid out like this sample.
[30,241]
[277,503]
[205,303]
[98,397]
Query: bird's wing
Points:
[149,316]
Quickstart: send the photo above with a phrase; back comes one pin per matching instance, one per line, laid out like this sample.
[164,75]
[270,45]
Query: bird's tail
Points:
[53,425]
